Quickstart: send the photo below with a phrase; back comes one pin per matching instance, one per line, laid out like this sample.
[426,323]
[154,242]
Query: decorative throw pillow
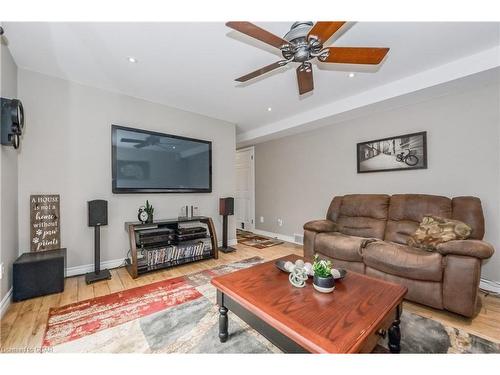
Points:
[434,230]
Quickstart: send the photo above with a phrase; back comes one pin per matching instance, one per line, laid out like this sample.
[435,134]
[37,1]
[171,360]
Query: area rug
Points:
[179,315]
[259,242]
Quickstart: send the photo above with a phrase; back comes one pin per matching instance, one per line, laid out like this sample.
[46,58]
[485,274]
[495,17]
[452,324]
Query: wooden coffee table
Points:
[352,319]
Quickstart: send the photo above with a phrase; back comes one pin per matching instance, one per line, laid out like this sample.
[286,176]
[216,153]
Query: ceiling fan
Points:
[150,140]
[303,43]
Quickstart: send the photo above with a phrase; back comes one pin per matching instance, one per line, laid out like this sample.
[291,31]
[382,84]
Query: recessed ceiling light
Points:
[269,109]
[351,75]
[132,60]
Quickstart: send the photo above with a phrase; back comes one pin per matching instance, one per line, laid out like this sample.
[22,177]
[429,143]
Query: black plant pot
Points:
[324,284]
[150,219]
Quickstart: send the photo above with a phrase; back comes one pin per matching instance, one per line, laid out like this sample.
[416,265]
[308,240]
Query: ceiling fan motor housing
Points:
[298,31]
[300,47]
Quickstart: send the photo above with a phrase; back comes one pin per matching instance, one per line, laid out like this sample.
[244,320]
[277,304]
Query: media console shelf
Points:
[169,243]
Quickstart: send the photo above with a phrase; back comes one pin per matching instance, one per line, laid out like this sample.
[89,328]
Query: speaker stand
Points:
[225,248]
[98,274]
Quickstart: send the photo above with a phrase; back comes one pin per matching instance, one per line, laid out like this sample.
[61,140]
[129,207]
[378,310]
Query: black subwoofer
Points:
[37,274]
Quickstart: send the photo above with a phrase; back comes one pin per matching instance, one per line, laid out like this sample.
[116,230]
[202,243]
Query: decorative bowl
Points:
[337,273]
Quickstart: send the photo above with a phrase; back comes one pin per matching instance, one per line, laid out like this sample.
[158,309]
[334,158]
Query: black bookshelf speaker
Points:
[226,206]
[98,212]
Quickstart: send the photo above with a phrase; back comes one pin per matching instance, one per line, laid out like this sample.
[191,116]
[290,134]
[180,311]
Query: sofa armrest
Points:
[320,226]
[473,248]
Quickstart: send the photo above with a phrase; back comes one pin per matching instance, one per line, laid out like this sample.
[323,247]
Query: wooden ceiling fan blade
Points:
[323,30]
[305,78]
[256,32]
[355,55]
[260,71]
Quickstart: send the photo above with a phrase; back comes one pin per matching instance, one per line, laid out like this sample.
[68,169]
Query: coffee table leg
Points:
[223,323]
[395,333]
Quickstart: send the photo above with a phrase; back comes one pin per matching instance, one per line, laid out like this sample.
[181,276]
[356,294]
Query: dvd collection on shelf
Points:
[154,256]
[169,243]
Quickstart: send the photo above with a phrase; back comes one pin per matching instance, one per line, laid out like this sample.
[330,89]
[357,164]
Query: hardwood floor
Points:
[23,324]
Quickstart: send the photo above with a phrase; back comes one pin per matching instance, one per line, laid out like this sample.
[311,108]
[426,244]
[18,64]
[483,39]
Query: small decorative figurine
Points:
[298,277]
[298,272]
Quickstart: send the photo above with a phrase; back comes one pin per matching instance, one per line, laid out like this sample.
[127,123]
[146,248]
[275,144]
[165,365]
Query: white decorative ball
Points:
[308,267]
[335,273]
[299,263]
[289,266]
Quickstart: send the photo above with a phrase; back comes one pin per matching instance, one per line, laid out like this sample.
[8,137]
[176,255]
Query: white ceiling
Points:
[192,66]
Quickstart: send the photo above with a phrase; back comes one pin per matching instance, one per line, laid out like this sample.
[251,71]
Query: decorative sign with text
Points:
[44,228]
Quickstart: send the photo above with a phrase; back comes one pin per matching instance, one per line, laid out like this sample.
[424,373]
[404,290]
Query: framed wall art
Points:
[403,152]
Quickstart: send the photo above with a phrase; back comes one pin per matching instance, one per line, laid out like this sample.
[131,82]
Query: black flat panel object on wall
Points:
[98,212]
[150,162]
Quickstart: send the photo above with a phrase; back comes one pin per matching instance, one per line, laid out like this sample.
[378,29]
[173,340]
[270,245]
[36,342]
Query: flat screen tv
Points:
[151,162]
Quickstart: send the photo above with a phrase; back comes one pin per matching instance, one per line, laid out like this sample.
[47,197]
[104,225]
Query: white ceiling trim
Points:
[460,68]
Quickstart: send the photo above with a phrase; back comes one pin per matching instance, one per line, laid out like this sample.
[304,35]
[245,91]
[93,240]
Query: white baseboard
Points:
[229,242]
[281,237]
[81,270]
[490,286]
[5,303]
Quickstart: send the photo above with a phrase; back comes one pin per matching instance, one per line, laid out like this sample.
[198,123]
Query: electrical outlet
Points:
[2,270]
[262,219]
[280,222]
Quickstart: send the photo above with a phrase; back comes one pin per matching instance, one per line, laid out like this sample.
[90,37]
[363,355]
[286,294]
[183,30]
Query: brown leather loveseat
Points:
[367,233]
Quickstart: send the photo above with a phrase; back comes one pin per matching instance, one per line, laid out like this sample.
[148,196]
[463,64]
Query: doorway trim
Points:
[252,182]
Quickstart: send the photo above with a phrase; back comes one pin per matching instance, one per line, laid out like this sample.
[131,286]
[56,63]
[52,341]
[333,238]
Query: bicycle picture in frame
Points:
[403,152]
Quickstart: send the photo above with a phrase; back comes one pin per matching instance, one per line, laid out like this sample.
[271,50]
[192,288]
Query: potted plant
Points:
[323,280]
[149,210]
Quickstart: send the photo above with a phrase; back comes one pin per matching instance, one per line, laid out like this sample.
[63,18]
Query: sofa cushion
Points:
[363,215]
[406,211]
[435,230]
[365,205]
[340,246]
[334,208]
[470,211]
[320,226]
[469,248]
[403,261]
[429,293]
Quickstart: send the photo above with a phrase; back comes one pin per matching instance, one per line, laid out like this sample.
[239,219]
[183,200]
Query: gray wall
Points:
[8,172]
[297,176]
[67,151]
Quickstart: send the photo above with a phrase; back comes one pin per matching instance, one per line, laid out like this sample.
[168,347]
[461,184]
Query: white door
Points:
[244,205]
